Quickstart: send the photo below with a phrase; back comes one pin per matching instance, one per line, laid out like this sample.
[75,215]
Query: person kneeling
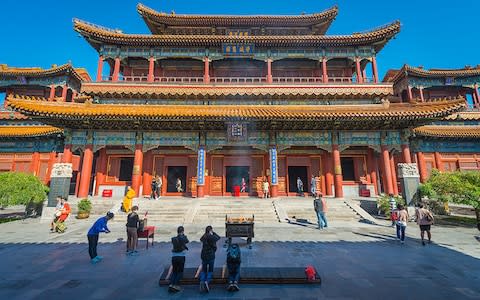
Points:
[233,266]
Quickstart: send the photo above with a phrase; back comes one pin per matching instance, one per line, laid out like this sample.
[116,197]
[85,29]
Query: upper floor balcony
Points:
[238,80]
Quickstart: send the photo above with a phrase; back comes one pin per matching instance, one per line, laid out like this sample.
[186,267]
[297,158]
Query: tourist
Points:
[313,186]
[300,187]
[401,222]
[179,250]
[127,200]
[99,226]
[424,219]
[265,188]
[153,194]
[243,186]
[233,265]
[132,234]
[56,214]
[59,225]
[320,206]
[159,181]
[393,210]
[178,185]
[209,247]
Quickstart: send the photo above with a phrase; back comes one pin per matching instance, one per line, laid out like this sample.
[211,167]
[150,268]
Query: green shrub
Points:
[84,206]
[383,203]
[21,189]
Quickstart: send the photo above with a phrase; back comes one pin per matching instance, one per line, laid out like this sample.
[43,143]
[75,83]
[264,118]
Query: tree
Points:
[459,186]
[21,189]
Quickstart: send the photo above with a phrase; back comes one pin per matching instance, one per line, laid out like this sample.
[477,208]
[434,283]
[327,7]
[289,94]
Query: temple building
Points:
[452,143]
[217,102]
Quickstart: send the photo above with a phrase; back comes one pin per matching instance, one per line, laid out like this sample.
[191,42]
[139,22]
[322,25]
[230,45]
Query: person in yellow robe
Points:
[127,200]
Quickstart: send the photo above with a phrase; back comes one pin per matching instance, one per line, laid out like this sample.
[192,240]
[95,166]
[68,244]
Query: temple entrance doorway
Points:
[293,173]
[174,173]
[234,175]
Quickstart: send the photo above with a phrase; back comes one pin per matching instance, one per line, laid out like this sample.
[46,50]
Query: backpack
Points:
[178,245]
[395,215]
[233,254]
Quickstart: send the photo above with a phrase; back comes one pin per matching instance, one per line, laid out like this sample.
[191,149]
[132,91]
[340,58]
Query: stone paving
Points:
[354,259]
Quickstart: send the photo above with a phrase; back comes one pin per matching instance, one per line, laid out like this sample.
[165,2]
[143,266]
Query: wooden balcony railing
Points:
[240,80]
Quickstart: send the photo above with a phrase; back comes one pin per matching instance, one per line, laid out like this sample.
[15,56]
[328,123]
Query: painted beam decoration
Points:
[201,166]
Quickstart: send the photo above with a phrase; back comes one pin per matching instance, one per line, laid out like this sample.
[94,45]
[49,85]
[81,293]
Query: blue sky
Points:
[435,34]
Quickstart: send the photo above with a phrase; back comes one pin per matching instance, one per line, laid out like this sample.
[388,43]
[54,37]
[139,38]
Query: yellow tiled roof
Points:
[453,131]
[80,74]
[27,131]
[394,111]
[154,17]
[97,34]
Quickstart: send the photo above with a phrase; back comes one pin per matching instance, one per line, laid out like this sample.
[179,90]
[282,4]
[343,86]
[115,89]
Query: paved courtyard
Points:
[355,261]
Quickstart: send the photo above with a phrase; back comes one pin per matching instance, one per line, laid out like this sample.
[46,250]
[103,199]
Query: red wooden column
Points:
[51,161]
[328,173]
[407,158]
[421,94]
[101,169]
[387,170]
[422,167]
[64,92]
[372,166]
[337,167]
[477,96]
[374,70]
[269,71]
[116,69]
[393,169]
[410,94]
[438,162]
[324,72]
[52,93]
[147,173]
[151,69]
[100,68]
[137,169]
[206,70]
[358,70]
[86,171]
[35,163]
[67,153]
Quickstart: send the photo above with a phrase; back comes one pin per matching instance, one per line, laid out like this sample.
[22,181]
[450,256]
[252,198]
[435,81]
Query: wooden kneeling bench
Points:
[249,275]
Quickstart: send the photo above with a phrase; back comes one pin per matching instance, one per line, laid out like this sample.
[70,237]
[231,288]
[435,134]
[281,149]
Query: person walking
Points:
[99,226]
[179,251]
[132,231]
[401,224]
[243,184]
[320,206]
[299,187]
[313,186]
[127,200]
[153,194]
[425,220]
[393,210]
[178,185]
[209,247]
[265,188]
[159,185]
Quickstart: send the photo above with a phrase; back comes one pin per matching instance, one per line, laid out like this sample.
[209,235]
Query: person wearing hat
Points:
[99,226]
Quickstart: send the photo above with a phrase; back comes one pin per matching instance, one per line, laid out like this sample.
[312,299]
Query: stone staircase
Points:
[213,210]
[302,208]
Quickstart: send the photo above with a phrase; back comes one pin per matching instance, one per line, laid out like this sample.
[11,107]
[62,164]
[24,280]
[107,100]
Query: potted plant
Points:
[84,208]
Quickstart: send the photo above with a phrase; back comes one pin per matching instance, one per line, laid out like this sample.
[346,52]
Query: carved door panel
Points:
[281,165]
[216,186]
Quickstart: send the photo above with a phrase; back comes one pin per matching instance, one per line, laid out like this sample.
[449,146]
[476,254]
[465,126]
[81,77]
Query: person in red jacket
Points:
[64,213]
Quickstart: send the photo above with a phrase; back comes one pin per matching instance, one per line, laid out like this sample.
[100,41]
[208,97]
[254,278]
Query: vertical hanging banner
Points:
[273,166]
[201,167]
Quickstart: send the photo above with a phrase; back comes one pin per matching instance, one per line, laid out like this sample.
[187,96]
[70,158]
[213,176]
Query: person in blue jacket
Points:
[99,226]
